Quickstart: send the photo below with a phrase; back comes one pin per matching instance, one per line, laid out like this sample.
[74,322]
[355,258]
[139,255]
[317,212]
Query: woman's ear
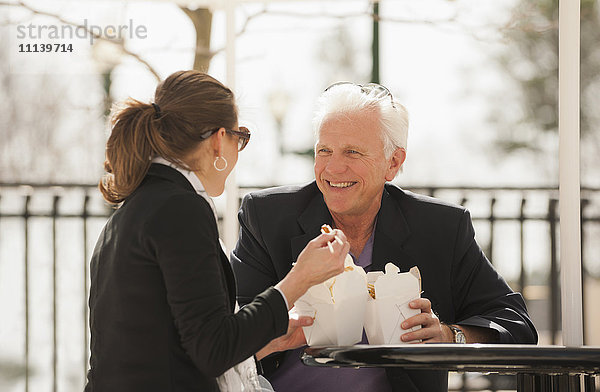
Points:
[217,142]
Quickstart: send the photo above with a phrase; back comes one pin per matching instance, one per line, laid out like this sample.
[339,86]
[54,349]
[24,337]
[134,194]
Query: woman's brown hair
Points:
[186,105]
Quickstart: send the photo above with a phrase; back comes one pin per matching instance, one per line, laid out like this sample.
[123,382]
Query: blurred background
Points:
[479,80]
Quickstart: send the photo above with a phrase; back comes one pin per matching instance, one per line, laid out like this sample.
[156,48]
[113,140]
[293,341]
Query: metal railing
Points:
[34,216]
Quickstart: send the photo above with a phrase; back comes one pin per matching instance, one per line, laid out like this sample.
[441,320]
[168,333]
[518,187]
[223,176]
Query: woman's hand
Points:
[294,337]
[321,259]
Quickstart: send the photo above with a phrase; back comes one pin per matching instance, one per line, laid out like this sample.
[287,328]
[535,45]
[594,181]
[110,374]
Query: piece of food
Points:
[371,289]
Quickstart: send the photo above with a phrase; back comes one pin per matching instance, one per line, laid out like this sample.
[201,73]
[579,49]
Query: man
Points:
[361,145]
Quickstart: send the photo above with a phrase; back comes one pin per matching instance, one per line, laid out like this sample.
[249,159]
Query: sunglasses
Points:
[243,136]
[374,90]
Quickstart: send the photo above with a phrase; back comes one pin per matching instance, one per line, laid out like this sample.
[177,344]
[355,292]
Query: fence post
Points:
[84,216]
[26,233]
[54,323]
[492,220]
[554,289]
[584,203]
[522,277]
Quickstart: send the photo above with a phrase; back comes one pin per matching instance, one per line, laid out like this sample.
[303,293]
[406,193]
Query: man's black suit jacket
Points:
[463,287]
[163,293]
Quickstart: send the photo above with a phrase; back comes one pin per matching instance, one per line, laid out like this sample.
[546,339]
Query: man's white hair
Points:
[350,98]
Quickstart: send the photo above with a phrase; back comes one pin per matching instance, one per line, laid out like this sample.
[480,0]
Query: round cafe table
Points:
[538,368]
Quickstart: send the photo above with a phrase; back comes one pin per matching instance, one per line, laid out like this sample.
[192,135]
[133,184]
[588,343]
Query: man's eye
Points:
[322,151]
[353,152]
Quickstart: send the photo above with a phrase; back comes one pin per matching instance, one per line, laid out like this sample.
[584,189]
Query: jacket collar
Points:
[192,179]
[391,231]
[190,175]
[170,174]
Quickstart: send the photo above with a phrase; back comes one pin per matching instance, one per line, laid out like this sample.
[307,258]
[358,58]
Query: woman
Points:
[162,296]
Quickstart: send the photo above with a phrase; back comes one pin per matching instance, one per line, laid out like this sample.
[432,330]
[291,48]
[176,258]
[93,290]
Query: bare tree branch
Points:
[292,14]
[350,16]
[92,33]
[208,54]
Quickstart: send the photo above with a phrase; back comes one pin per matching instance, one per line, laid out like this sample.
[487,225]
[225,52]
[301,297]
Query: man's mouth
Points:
[344,184]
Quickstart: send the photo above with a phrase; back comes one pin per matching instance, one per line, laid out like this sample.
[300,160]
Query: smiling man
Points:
[361,146]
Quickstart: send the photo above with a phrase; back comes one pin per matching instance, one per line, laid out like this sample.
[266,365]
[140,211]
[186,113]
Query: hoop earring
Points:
[215,164]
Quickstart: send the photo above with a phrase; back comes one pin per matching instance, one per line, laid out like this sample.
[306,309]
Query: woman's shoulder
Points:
[183,205]
[170,205]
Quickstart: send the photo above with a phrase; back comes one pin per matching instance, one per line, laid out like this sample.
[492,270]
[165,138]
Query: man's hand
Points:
[432,330]
[294,337]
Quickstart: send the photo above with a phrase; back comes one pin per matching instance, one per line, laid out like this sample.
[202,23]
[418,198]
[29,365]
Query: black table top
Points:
[497,358]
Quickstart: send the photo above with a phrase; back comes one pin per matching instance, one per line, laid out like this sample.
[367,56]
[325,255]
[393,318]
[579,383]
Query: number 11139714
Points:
[45,48]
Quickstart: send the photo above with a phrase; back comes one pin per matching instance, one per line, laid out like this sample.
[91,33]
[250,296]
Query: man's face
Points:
[350,165]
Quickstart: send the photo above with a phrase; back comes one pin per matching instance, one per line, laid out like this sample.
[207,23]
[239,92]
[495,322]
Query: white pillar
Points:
[230,223]
[569,181]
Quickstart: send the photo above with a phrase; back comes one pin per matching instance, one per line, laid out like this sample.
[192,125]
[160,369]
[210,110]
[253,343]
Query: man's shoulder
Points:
[411,201]
[287,195]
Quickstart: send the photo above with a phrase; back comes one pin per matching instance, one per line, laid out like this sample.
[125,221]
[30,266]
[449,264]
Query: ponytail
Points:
[132,144]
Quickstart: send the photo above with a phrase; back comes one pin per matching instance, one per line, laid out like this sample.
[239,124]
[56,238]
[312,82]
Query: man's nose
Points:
[335,164]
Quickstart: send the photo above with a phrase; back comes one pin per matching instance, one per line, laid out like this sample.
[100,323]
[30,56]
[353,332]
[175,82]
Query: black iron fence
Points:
[47,232]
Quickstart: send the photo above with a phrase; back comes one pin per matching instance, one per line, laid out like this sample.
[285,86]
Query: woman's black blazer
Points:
[162,296]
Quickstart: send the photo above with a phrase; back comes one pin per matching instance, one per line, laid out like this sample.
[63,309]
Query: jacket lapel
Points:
[391,232]
[311,220]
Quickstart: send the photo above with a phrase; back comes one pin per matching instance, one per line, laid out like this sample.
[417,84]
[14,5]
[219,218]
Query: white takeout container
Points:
[338,307]
[385,313]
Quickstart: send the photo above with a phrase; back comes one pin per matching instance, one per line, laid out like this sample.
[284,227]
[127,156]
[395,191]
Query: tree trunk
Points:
[202,20]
